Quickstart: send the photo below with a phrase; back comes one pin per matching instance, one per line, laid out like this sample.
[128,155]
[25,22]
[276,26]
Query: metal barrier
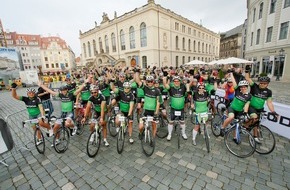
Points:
[22,136]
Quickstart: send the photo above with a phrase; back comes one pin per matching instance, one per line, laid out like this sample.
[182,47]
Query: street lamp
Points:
[281,55]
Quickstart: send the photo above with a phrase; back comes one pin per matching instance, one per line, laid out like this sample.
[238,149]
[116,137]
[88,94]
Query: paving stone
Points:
[146,178]
[212,174]
[159,153]
[68,186]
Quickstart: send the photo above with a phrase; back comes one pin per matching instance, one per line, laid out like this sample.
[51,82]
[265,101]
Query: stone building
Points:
[148,36]
[268,41]
[231,44]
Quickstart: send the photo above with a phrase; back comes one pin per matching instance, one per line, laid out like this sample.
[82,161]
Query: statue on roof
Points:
[151,1]
[115,14]
[105,17]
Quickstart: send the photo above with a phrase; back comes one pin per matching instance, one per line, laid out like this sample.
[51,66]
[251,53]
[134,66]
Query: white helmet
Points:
[30,90]
[243,83]
[94,88]
[149,78]
[127,85]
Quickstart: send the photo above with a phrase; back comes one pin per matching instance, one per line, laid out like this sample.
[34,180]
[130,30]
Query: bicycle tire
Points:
[267,138]
[64,138]
[120,140]
[245,147]
[148,143]
[162,130]
[206,138]
[112,127]
[219,108]
[80,128]
[216,125]
[193,118]
[41,147]
[94,146]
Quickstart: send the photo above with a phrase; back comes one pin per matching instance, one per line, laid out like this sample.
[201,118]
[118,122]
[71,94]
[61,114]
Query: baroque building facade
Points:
[268,41]
[148,36]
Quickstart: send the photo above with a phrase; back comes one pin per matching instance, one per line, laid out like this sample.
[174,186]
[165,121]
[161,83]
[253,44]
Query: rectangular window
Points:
[269,34]
[144,62]
[258,37]
[189,31]
[284,30]
[176,26]
[183,28]
[261,10]
[176,61]
[52,65]
[272,6]
[287,3]
[56,65]
[252,38]
[45,59]
[46,65]
[254,14]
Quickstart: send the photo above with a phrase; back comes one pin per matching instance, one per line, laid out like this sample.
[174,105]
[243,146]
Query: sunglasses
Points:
[122,76]
[263,83]
[149,81]
[201,88]
[243,86]
[176,81]
[127,88]
[94,92]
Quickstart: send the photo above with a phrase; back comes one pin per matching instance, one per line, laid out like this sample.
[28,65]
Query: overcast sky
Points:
[67,17]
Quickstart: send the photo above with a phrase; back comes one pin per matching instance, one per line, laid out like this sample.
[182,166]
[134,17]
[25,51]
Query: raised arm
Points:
[14,93]
[47,89]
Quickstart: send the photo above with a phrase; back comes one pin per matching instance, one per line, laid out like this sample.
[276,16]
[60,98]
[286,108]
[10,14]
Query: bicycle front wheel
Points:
[206,138]
[80,127]
[39,141]
[162,130]
[266,139]
[148,143]
[61,140]
[112,127]
[243,146]
[220,108]
[120,140]
[93,144]
[216,125]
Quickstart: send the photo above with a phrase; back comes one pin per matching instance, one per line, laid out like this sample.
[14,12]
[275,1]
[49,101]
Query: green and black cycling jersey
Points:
[200,102]
[105,89]
[71,89]
[151,95]
[163,90]
[240,100]
[140,92]
[124,100]
[259,96]
[32,105]
[193,89]
[66,102]
[86,93]
[177,96]
[97,101]
[209,84]
[119,85]
[134,88]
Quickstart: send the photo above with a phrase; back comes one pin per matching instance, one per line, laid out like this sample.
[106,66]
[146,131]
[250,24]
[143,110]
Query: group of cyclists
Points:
[146,92]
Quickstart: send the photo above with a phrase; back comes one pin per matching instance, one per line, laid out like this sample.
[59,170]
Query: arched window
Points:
[122,39]
[194,46]
[198,47]
[144,62]
[85,50]
[113,39]
[143,35]
[189,45]
[101,45]
[202,47]
[94,47]
[89,49]
[107,43]
[132,37]
[176,43]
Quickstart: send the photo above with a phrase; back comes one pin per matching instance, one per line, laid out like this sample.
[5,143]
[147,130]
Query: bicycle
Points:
[177,119]
[62,137]
[122,133]
[94,140]
[218,121]
[111,122]
[147,139]
[78,119]
[239,140]
[267,141]
[204,117]
[162,130]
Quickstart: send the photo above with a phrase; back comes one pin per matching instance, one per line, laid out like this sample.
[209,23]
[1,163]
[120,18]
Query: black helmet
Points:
[63,88]
[264,79]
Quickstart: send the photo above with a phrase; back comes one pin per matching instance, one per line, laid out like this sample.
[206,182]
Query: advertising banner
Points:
[280,125]
[9,58]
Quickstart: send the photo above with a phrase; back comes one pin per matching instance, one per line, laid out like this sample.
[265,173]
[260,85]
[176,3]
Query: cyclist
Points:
[34,108]
[126,101]
[260,95]
[66,108]
[161,98]
[230,91]
[199,103]
[240,104]
[140,97]
[45,99]
[177,93]
[98,101]
[151,101]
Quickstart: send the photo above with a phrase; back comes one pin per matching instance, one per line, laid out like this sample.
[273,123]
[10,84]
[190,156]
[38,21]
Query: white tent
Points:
[195,62]
[230,60]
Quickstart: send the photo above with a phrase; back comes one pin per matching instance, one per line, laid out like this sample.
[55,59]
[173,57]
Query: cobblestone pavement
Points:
[191,167]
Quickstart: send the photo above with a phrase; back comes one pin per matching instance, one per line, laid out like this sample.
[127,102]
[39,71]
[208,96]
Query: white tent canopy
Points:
[195,62]
[231,60]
